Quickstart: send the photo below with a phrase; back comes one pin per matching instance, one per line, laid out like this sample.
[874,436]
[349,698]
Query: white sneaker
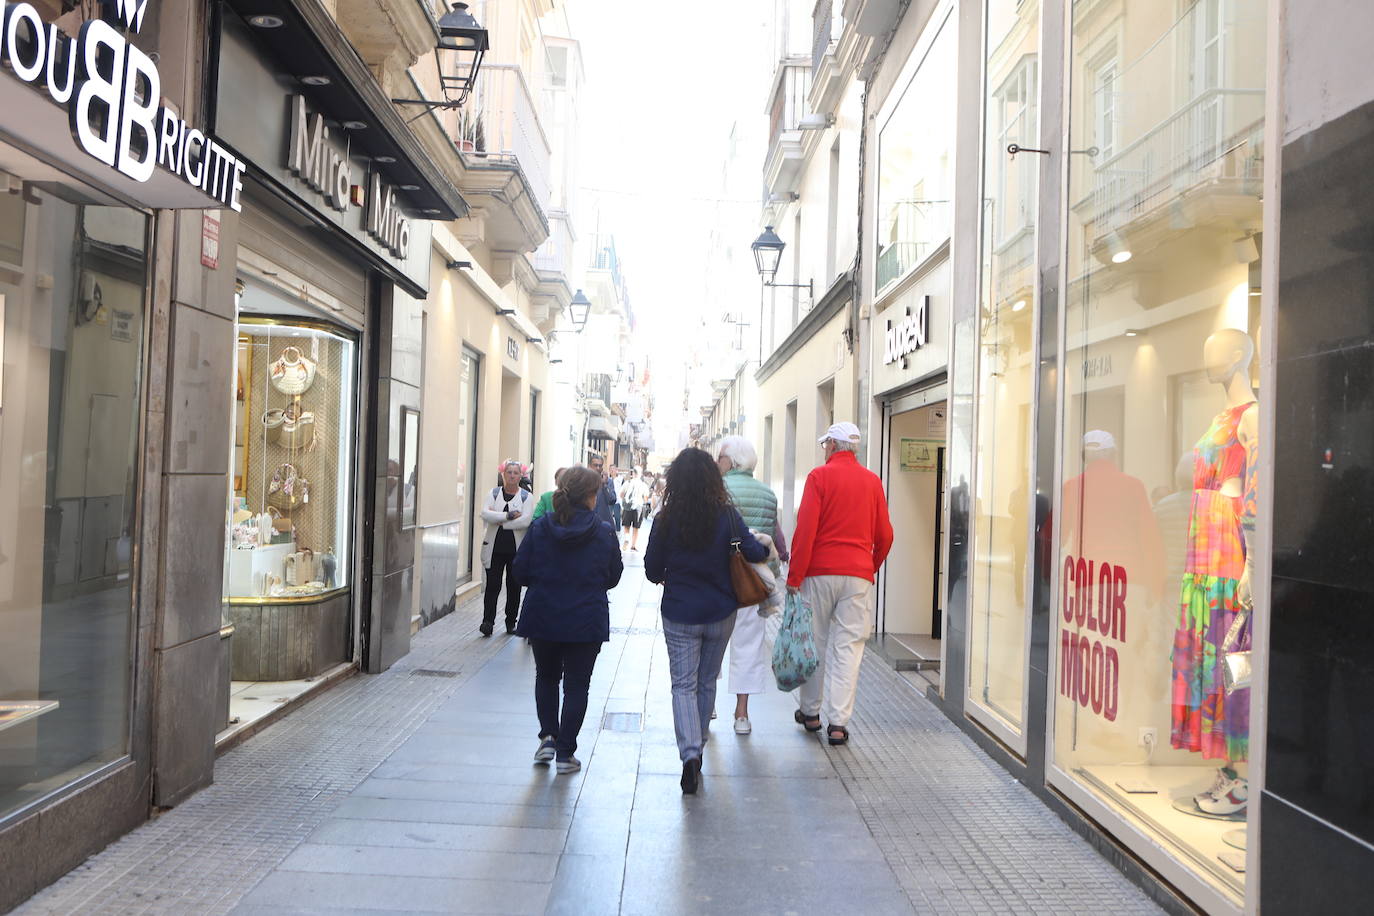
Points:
[571,765]
[1228,796]
[742,726]
[545,752]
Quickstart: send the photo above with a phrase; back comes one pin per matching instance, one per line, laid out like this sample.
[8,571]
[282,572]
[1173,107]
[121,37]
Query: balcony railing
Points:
[920,226]
[1215,137]
[500,126]
[788,105]
[555,255]
[822,34]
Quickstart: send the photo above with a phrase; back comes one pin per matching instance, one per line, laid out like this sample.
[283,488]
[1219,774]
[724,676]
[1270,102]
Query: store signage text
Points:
[1097,367]
[1094,605]
[909,334]
[111,90]
[326,169]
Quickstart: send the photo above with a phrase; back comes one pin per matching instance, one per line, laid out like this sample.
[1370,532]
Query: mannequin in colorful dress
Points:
[1216,579]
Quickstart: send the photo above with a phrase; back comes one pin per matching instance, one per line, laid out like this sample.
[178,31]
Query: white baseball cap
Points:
[1098,440]
[841,432]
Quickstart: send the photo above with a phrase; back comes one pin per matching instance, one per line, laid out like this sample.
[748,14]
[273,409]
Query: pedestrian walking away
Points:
[758,506]
[508,512]
[843,535]
[567,563]
[689,554]
[634,499]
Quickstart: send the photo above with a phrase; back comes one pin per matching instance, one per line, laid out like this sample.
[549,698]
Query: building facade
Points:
[1074,307]
[203,309]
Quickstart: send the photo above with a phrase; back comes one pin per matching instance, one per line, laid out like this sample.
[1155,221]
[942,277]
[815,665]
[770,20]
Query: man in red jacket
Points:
[843,535]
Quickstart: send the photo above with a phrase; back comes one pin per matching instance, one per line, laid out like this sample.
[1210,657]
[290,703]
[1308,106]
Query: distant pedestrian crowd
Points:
[717,547]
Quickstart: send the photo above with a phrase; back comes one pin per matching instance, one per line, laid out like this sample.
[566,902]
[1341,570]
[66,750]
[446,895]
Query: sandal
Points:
[832,731]
[805,721]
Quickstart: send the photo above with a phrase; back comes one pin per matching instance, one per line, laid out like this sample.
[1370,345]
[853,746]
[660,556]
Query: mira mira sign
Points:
[325,167]
[111,91]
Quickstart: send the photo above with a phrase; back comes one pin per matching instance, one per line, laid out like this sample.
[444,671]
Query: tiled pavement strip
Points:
[413,791]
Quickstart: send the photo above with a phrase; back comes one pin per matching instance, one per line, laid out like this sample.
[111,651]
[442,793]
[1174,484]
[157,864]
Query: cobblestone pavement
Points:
[413,791]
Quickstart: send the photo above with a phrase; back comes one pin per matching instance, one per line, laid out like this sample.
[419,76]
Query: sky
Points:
[665,84]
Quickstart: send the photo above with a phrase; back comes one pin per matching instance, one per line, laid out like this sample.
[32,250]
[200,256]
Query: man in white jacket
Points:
[508,512]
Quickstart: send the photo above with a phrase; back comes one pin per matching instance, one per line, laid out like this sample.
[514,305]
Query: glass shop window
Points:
[1161,422]
[290,518]
[73,293]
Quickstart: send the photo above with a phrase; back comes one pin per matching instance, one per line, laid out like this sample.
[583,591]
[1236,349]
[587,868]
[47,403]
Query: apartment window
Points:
[825,411]
[789,466]
[832,213]
[1103,103]
[766,472]
[915,164]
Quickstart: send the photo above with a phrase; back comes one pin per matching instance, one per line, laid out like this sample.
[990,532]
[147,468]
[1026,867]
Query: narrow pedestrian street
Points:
[413,791]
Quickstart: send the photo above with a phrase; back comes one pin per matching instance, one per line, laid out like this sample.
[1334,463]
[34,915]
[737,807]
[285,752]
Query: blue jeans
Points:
[695,651]
[572,663]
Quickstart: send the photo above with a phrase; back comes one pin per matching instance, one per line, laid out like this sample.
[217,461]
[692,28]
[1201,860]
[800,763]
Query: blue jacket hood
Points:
[580,527]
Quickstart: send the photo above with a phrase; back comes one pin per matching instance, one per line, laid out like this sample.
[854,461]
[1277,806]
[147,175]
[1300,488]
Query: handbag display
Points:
[280,523]
[749,589]
[794,651]
[298,432]
[300,567]
[288,489]
[1235,670]
[292,372]
[273,419]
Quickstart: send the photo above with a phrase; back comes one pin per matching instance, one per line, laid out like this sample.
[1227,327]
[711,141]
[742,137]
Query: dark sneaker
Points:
[691,775]
[485,629]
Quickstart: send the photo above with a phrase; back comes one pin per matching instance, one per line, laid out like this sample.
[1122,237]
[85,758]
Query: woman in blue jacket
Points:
[567,562]
[689,554]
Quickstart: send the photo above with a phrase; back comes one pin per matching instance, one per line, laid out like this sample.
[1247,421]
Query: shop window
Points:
[469,375]
[291,508]
[1160,423]
[1000,572]
[915,163]
[73,288]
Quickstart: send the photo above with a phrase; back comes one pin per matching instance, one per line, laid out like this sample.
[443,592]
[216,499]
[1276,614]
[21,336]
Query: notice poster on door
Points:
[920,454]
[935,422]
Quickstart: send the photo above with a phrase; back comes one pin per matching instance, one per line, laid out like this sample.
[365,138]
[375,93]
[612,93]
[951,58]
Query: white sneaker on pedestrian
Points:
[742,726]
[571,765]
[545,752]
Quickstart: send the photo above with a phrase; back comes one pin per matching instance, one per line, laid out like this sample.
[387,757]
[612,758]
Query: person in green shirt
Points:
[545,504]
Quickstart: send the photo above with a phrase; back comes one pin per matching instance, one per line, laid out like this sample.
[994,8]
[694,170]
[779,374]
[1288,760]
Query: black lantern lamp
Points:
[579,309]
[458,56]
[767,253]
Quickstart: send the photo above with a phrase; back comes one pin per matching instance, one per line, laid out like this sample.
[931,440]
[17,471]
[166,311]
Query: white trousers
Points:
[751,657]
[840,619]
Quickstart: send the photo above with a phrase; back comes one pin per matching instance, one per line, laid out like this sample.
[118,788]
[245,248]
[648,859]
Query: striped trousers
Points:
[695,651]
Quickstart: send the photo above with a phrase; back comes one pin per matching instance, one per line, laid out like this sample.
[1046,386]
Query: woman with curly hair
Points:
[689,555]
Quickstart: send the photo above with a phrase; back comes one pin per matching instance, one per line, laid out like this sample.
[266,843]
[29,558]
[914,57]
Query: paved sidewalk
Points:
[414,791]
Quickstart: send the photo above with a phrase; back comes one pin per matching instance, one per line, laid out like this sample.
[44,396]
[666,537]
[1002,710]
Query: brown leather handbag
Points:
[748,586]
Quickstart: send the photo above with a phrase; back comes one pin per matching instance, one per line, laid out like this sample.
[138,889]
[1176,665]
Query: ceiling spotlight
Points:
[430,211]
[1132,332]
[1117,249]
[408,187]
[1018,305]
[1121,257]
[385,160]
[316,80]
[354,125]
[265,22]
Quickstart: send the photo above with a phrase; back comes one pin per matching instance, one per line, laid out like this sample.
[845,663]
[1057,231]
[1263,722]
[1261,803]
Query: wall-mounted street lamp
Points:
[579,309]
[767,253]
[458,56]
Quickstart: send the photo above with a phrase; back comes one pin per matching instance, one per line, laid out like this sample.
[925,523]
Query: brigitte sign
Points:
[111,90]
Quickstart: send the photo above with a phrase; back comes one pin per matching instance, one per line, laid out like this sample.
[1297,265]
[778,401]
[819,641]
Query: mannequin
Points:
[1216,579]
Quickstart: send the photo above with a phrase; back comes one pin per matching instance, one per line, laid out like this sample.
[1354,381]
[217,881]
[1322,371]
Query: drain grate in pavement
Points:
[433,672]
[622,722]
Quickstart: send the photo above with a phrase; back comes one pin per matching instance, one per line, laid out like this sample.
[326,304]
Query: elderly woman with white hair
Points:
[758,506]
[508,513]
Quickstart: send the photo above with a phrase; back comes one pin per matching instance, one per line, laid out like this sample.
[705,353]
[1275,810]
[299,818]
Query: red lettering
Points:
[1080,670]
[1065,665]
[1095,678]
[1104,599]
[1111,671]
[1068,581]
[1082,574]
[1119,603]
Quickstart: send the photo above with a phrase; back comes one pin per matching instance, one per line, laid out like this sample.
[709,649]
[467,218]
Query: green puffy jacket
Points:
[754,499]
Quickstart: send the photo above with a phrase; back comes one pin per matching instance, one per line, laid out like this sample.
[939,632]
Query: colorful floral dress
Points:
[1204,717]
